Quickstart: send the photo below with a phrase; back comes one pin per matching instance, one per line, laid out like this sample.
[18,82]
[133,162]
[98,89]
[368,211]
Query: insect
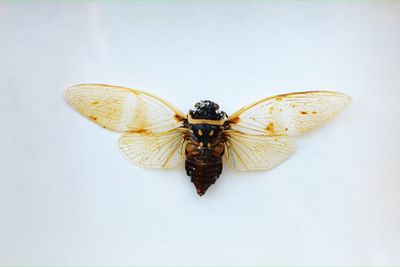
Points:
[157,135]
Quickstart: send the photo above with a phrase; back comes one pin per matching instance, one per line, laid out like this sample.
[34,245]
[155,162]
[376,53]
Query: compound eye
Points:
[197,105]
[216,106]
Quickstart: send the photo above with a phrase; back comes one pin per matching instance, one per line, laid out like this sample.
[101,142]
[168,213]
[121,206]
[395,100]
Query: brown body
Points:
[203,165]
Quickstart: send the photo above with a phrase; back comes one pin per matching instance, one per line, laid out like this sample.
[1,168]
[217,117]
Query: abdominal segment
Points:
[203,165]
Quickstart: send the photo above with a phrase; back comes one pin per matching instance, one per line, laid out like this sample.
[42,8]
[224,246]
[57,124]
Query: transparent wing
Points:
[245,152]
[288,114]
[123,109]
[154,150]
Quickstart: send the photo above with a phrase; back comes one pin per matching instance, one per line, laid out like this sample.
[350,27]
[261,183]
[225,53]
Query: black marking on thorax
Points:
[205,135]
[206,124]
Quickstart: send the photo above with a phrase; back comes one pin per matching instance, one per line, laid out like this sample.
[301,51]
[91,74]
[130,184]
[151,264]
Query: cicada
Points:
[155,134]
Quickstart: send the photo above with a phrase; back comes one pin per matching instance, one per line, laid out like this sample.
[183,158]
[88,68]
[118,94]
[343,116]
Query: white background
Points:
[67,196]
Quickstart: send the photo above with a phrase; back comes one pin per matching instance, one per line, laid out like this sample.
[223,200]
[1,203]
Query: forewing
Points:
[123,109]
[154,150]
[288,114]
[245,152]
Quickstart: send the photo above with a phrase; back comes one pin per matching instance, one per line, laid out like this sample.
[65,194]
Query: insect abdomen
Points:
[203,165]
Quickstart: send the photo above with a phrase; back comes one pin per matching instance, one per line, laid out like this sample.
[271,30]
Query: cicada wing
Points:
[246,152]
[288,114]
[123,109]
[154,150]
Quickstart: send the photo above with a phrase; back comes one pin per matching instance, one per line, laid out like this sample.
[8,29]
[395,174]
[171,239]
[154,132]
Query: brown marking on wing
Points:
[270,128]
[235,120]
[179,117]
[314,112]
[93,118]
[140,131]
[303,112]
[271,109]
[95,103]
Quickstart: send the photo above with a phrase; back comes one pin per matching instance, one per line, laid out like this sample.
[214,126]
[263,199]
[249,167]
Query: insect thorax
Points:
[206,123]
